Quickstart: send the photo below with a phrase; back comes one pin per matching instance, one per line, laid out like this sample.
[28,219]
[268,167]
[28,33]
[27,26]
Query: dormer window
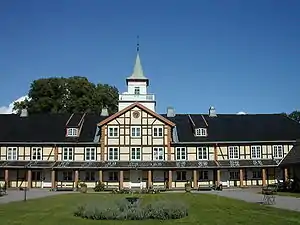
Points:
[137,90]
[72,132]
[201,132]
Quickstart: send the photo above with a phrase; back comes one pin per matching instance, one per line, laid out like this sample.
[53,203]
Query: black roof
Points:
[232,127]
[52,127]
[293,157]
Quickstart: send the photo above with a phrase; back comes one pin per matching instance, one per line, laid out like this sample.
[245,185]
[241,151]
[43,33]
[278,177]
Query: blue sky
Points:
[235,55]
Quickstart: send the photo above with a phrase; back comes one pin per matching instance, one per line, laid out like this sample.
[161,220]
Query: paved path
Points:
[15,195]
[283,202]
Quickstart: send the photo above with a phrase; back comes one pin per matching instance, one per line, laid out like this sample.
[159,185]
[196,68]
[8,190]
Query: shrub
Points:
[99,187]
[83,187]
[123,210]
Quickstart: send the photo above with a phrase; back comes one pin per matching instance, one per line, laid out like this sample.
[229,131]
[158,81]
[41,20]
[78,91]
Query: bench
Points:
[159,188]
[65,187]
[111,187]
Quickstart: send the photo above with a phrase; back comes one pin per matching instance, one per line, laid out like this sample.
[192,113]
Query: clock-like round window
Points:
[136,114]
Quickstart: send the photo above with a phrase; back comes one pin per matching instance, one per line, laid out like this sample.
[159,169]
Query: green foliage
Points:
[83,187]
[295,116]
[123,210]
[99,187]
[73,94]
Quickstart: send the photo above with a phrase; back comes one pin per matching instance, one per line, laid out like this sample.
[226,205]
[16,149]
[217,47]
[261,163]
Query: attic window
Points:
[72,132]
[201,132]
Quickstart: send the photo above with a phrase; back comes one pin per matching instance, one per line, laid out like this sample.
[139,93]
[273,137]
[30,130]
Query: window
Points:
[255,152]
[233,152]
[36,153]
[157,131]
[136,153]
[113,154]
[256,174]
[234,175]
[90,154]
[277,151]
[202,132]
[67,176]
[202,153]
[203,175]
[12,153]
[113,131]
[72,132]
[137,90]
[90,176]
[181,176]
[113,176]
[180,153]
[158,153]
[135,131]
[68,154]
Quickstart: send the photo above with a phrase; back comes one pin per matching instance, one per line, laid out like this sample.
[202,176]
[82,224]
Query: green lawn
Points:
[204,210]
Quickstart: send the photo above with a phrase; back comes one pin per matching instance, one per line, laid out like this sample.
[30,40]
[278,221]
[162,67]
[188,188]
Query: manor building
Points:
[137,147]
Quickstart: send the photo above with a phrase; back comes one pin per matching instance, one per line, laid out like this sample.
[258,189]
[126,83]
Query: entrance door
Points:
[135,178]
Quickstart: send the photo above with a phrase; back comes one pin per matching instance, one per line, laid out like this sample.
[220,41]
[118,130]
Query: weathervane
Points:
[138,43]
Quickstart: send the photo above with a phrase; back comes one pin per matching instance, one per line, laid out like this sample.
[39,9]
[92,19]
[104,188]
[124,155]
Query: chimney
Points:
[212,112]
[170,112]
[104,111]
[24,113]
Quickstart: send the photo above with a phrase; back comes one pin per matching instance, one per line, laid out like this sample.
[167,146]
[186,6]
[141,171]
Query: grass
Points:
[204,210]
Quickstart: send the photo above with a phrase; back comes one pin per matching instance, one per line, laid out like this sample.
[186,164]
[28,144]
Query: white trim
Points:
[158,150]
[90,150]
[203,148]
[67,158]
[134,131]
[36,150]
[135,153]
[14,153]
[234,142]
[112,149]
[273,151]
[180,158]
[201,132]
[113,131]
[256,148]
[72,132]
[158,128]
[233,148]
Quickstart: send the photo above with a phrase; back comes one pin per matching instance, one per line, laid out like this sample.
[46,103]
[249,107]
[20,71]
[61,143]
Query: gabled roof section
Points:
[293,157]
[136,104]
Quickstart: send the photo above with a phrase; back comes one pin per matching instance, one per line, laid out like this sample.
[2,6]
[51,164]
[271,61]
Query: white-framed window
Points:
[36,153]
[202,153]
[90,153]
[137,90]
[135,131]
[136,153]
[158,153]
[277,151]
[201,132]
[113,131]
[157,131]
[255,152]
[67,153]
[181,153]
[233,152]
[12,153]
[113,153]
[72,132]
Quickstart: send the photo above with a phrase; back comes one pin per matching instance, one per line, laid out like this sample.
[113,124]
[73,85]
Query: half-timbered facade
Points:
[137,147]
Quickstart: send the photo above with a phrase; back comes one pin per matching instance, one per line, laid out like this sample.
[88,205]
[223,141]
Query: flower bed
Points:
[124,210]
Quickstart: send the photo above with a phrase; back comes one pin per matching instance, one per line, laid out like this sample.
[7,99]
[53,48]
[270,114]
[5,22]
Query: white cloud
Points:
[9,109]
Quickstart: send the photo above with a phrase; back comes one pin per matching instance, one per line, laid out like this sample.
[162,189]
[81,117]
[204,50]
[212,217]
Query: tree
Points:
[74,94]
[295,115]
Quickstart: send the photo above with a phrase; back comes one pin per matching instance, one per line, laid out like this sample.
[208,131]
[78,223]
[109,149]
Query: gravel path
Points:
[283,202]
[15,195]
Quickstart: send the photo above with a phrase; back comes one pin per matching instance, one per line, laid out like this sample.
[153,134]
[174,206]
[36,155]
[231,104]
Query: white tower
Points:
[137,85]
